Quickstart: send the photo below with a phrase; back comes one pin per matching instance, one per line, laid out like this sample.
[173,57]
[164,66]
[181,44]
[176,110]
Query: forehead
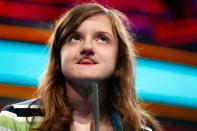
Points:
[99,22]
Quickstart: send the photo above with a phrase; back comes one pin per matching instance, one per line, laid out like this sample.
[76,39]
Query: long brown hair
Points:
[122,97]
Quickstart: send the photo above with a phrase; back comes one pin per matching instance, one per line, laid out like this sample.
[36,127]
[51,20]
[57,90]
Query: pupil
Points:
[75,38]
[103,39]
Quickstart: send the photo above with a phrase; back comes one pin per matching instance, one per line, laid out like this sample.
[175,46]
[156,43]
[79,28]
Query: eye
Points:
[75,38]
[102,39]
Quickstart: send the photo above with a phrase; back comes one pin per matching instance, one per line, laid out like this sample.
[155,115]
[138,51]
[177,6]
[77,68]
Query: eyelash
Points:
[101,37]
[78,36]
[73,36]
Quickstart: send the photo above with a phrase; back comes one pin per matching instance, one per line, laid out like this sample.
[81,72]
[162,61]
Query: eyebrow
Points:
[97,32]
[103,32]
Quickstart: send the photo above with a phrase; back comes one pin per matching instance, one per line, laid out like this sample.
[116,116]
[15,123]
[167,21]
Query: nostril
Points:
[87,52]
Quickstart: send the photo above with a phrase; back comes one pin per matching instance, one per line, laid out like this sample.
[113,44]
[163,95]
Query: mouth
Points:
[87,61]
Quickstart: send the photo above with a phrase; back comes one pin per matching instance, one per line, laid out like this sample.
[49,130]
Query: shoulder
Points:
[23,109]
[19,115]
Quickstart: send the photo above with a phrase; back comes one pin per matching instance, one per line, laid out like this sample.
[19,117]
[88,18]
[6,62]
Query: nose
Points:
[87,48]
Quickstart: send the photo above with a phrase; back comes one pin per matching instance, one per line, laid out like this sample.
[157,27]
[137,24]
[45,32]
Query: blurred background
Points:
[165,39]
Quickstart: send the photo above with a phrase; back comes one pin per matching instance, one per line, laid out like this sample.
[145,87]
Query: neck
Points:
[81,98]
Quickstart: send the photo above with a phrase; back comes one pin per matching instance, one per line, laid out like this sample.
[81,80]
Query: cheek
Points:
[110,59]
[66,55]
[64,62]
[65,67]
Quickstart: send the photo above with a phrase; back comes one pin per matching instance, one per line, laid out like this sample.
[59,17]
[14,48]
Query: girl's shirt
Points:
[17,117]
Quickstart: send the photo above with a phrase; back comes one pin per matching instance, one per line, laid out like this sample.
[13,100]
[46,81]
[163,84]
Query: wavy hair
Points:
[122,97]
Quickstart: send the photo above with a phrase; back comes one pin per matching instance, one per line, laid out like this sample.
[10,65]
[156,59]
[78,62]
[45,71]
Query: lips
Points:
[87,61]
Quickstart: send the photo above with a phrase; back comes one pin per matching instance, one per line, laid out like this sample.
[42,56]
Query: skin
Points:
[89,55]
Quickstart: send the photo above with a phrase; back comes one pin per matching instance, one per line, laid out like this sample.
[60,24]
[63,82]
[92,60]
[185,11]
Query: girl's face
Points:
[91,51]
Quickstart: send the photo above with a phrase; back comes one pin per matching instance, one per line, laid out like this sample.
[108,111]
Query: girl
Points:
[90,44]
